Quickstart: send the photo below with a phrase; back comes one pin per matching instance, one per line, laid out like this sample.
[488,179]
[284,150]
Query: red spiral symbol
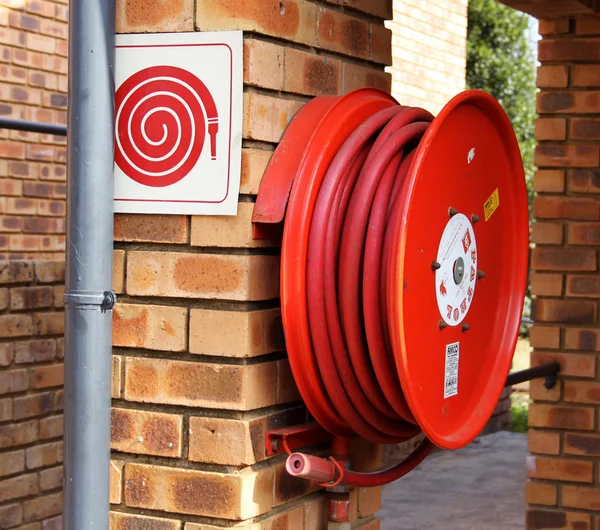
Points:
[161,122]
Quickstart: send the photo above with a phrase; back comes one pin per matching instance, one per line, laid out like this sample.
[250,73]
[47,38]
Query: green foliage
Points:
[501,61]
[519,413]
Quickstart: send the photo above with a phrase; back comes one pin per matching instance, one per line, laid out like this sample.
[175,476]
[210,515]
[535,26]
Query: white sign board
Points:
[178,128]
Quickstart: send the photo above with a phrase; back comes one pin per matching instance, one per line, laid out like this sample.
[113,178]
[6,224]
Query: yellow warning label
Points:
[491,204]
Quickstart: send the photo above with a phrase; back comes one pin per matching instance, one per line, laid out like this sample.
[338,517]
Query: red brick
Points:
[264,64]
[185,275]
[44,455]
[41,8]
[293,20]
[51,479]
[582,339]
[582,392]
[565,208]
[369,501]
[585,129]
[568,101]
[116,379]
[537,519]
[355,76]
[310,74]
[587,49]
[545,284]
[254,162]
[155,16]
[583,233]
[571,364]
[553,76]
[588,25]
[13,381]
[240,333]
[584,498]
[17,487]
[127,521]
[149,326]
[7,353]
[146,433]
[266,117]
[582,444]
[12,463]
[583,286]
[56,29]
[567,259]
[380,44]
[119,271]
[585,75]
[12,514]
[544,442]
[547,233]
[554,27]
[47,376]
[540,493]
[35,351]
[234,442]
[49,323]
[151,228]
[568,470]
[545,337]
[116,482]
[51,427]
[227,231]
[31,298]
[36,405]
[15,434]
[42,507]
[232,387]
[551,129]
[567,155]
[561,417]
[232,496]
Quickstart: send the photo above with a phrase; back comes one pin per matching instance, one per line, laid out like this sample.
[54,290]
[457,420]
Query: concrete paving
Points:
[480,487]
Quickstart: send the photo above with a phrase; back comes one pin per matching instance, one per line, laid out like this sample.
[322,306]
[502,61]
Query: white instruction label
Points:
[451,373]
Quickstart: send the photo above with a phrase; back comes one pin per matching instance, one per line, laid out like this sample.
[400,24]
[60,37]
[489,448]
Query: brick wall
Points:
[430,50]
[200,370]
[563,490]
[33,86]
[31,397]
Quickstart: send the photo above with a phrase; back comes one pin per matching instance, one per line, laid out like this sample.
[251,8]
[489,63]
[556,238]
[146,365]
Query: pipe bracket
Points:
[77,299]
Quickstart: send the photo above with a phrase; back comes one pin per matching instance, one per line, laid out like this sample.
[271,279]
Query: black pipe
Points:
[33,126]
[548,371]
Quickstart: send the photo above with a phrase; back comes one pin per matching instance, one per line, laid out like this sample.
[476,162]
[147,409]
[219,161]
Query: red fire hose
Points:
[348,165]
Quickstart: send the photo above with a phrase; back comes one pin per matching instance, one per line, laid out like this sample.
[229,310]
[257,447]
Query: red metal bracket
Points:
[288,439]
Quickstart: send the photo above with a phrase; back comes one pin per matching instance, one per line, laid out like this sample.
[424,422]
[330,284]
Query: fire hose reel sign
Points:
[178,123]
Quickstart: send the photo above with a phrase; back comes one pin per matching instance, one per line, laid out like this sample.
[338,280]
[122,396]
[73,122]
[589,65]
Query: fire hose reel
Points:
[403,268]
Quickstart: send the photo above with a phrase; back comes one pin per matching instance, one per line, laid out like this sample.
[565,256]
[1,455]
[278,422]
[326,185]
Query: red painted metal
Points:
[289,439]
[367,203]
[469,151]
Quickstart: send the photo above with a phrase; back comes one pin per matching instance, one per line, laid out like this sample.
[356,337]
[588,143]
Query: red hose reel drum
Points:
[404,261]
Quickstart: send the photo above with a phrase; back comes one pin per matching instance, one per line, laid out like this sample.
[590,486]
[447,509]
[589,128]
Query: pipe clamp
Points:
[105,299]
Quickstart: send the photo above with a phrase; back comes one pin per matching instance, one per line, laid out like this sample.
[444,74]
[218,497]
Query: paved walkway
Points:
[481,487]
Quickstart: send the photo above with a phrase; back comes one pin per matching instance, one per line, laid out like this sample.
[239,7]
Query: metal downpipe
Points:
[88,295]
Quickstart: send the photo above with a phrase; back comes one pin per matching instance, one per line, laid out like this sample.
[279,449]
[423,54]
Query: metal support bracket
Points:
[548,371]
[288,439]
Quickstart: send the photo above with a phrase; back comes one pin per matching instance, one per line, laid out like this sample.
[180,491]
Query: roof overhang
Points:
[550,9]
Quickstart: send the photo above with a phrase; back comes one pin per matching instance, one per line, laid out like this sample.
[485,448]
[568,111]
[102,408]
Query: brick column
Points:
[200,369]
[563,491]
